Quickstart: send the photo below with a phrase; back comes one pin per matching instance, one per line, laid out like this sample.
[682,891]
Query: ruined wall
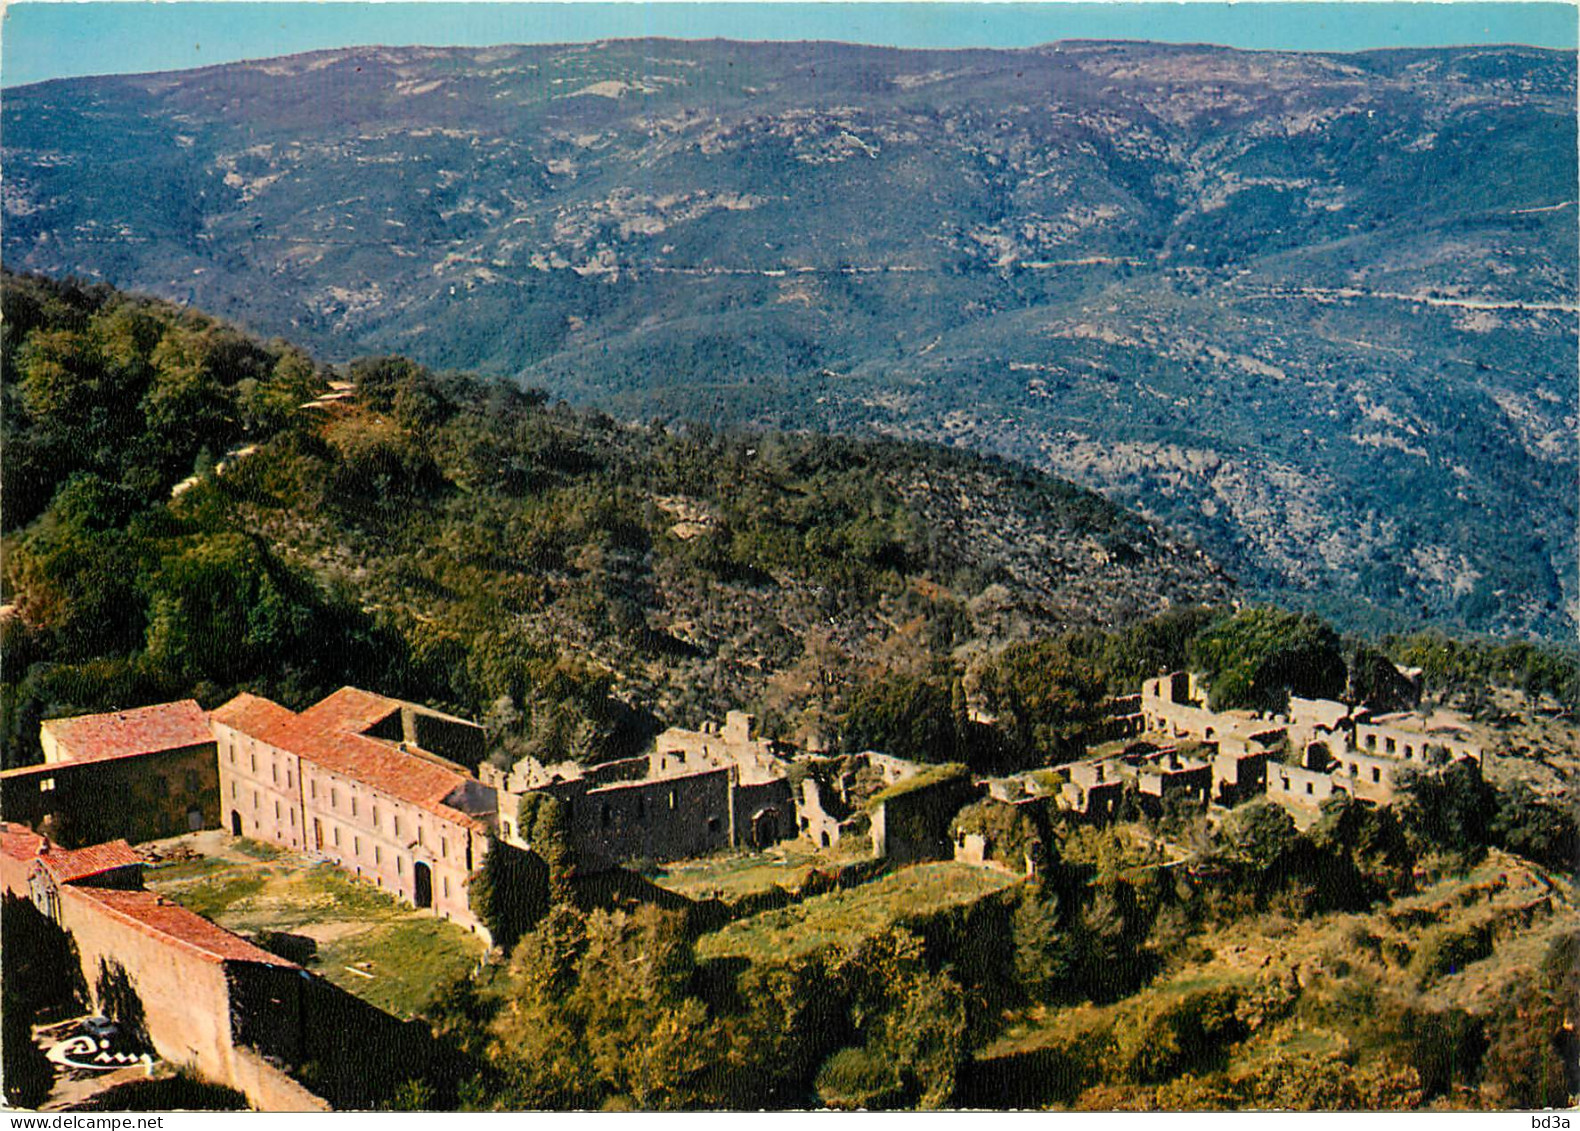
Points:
[138,798]
[764,814]
[668,819]
[461,742]
[1294,787]
[1412,745]
[914,825]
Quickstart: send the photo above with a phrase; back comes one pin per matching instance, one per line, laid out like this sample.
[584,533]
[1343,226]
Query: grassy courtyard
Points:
[364,940]
[847,917]
[735,875]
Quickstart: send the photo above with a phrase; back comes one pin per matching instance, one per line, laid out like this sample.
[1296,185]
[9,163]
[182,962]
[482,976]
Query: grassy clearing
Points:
[404,953]
[845,918]
[214,897]
[407,960]
[737,875]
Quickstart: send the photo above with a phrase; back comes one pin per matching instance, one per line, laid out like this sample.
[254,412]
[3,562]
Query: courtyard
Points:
[345,930]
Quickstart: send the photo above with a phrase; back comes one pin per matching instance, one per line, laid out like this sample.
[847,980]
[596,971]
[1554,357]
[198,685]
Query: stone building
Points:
[1168,774]
[140,774]
[342,781]
[1296,787]
[1094,791]
[910,819]
[693,793]
[1414,739]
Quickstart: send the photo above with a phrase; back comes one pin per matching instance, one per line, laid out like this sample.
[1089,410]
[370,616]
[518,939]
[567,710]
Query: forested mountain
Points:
[566,576]
[1317,310]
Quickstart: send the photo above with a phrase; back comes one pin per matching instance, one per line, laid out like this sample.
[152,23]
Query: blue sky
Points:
[45,39]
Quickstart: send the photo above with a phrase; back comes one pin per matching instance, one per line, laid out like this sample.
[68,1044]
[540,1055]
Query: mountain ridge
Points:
[1317,310]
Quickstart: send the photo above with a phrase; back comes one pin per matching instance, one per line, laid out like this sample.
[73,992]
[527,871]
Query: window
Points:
[233,791]
[255,799]
[274,773]
[1308,787]
[445,883]
[353,805]
[292,814]
[232,755]
[1376,774]
[1389,741]
[334,797]
[378,856]
[375,816]
[47,785]
[400,866]
[671,799]
[276,810]
[312,789]
[419,834]
[287,779]
[252,759]
[397,824]
[356,848]
[444,845]
[335,835]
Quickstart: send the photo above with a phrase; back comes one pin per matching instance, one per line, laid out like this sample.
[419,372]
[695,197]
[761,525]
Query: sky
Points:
[44,39]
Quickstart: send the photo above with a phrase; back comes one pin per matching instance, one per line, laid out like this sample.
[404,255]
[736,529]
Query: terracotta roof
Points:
[123,734]
[68,865]
[19,842]
[327,734]
[255,715]
[155,916]
[350,711]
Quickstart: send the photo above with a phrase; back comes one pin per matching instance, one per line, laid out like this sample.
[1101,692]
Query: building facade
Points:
[141,774]
[337,783]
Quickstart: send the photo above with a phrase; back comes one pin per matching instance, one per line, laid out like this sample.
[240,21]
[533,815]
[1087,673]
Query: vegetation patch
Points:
[845,918]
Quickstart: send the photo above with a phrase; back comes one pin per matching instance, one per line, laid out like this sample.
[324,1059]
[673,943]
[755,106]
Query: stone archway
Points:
[422,885]
[765,828]
[235,823]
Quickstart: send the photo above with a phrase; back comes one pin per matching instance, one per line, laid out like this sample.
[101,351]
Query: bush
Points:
[1448,950]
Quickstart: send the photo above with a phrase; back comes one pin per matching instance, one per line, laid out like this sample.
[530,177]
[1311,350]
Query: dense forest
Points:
[575,581]
[558,573]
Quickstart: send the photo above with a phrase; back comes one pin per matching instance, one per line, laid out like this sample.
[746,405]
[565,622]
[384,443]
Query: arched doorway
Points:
[765,828]
[235,823]
[421,885]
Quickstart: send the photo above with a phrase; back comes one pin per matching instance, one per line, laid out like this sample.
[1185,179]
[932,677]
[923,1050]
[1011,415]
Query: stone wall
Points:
[914,825]
[184,996]
[670,818]
[139,797]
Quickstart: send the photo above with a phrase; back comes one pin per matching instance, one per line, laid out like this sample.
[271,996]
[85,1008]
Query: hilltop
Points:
[559,573]
[1315,310]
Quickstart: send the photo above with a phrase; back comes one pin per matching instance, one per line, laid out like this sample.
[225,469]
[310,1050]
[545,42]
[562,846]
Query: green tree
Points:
[1259,656]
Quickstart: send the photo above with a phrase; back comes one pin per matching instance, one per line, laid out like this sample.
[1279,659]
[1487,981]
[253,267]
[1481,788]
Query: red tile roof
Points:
[19,842]
[124,734]
[327,735]
[155,916]
[255,715]
[350,711]
[69,865]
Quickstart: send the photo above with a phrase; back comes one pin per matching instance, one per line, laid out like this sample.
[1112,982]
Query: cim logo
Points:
[92,1053]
